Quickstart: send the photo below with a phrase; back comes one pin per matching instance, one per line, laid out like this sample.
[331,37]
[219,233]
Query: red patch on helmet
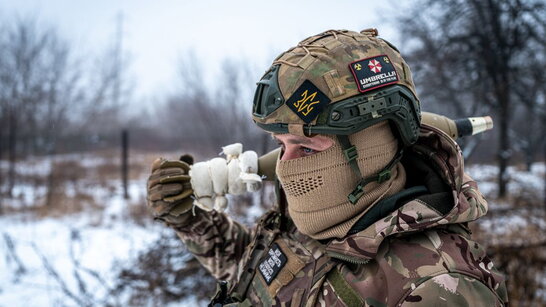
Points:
[373,72]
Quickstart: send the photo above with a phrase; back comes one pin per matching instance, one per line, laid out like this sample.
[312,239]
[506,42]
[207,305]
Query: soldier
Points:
[373,206]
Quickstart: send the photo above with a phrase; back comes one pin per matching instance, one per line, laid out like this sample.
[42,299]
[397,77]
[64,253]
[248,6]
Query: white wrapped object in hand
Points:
[249,169]
[232,151]
[253,182]
[219,174]
[213,179]
[249,162]
[201,183]
[235,184]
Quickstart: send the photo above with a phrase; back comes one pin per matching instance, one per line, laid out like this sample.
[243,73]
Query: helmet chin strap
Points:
[351,154]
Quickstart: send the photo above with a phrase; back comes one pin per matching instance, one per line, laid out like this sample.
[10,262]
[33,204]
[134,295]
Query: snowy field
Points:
[525,207]
[69,254]
[68,259]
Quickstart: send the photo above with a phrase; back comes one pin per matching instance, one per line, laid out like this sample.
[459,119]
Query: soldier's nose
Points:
[289,154]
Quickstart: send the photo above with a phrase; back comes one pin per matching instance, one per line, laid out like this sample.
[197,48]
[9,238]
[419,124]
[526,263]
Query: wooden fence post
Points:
[125,162]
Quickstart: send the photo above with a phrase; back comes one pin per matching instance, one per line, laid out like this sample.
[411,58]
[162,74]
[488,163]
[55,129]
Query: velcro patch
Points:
[307,101]
[374,72]
[272,265]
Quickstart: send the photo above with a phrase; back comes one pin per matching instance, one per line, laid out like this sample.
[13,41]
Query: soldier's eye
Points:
[308,151]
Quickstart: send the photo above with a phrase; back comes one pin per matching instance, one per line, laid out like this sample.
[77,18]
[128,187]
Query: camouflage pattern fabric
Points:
[414,256]
[324,59]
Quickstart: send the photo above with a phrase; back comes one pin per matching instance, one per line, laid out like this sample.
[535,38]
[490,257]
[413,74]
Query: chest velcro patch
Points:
[374,72]
[272,264]
[307,101]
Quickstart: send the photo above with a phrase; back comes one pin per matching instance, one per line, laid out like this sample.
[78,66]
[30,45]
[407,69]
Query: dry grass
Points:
[514,238]
[74,184]
[164,273]
[80,183]
[521,256]
[138,212]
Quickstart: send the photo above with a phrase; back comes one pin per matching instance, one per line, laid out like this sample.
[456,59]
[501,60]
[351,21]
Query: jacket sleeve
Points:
[452,289]
[217,241]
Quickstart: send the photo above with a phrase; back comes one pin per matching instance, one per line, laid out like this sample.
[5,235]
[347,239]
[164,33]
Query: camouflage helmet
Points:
[338,82]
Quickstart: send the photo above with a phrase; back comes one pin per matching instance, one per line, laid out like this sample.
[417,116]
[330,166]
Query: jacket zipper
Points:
[347,258]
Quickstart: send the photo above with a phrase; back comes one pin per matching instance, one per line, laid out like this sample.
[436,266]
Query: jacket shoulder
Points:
[422,261]
[451,289]
[413,259]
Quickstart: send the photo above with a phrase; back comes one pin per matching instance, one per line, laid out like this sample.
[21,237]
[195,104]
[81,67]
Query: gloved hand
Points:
[172,183]
[169,190]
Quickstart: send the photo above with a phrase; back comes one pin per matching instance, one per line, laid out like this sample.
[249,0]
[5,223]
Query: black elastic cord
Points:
[350,153]
[382,176]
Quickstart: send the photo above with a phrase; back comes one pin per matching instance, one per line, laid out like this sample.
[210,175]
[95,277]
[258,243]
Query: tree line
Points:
[472,56]
[51,99]
[55,101]
[468,57]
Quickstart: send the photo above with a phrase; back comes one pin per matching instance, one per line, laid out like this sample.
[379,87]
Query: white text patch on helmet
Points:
[272,264]
[374,72]
[307,101]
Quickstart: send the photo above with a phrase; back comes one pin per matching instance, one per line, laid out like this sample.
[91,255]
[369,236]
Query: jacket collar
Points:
[443,154]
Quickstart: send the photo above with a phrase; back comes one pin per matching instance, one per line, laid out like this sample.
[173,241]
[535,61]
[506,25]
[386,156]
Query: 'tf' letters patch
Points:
[272,264]
[307,101]
[374,72]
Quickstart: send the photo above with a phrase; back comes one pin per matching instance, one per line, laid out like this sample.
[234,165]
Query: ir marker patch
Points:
[272,265]
[307,101]
[374,72]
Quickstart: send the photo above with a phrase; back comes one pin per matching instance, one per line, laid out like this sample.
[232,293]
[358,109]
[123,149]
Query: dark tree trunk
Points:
[529,159]
[504,155]
[503,95]
[125,162]
[530,136]
[51,184]
[2,129]
[12,152]
[1,175]
[545,177]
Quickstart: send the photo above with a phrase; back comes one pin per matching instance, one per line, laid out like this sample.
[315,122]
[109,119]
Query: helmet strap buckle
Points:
[350,153]
[357,193]
[384,175]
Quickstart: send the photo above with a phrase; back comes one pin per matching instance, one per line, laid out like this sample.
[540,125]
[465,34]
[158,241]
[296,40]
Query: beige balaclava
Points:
[317,186]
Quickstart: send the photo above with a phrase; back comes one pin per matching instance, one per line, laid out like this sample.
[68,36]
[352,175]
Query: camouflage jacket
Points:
[418,252]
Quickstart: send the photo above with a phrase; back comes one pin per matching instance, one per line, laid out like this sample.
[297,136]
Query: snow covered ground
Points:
[59,261]
[51,258]
[75,259]
[523,208]
[520,181]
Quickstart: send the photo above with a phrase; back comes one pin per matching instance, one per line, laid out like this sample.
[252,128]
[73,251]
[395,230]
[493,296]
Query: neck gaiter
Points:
[317,186]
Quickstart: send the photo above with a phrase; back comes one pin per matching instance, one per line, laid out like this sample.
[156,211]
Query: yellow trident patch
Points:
[307,101]
[305,104]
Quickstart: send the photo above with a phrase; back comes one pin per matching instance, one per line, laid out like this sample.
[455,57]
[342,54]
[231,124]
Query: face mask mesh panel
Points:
[301,187]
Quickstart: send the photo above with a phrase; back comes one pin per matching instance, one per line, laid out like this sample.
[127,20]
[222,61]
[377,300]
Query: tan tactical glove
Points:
[169,191]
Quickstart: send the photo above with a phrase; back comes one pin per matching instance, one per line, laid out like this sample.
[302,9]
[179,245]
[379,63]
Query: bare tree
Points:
[103,105]
[469,51]
[235,92]
[209,112]
[528,95]
[186,117]
[37,87]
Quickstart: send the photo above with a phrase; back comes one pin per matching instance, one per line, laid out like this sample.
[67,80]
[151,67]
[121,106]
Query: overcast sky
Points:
[157,33]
